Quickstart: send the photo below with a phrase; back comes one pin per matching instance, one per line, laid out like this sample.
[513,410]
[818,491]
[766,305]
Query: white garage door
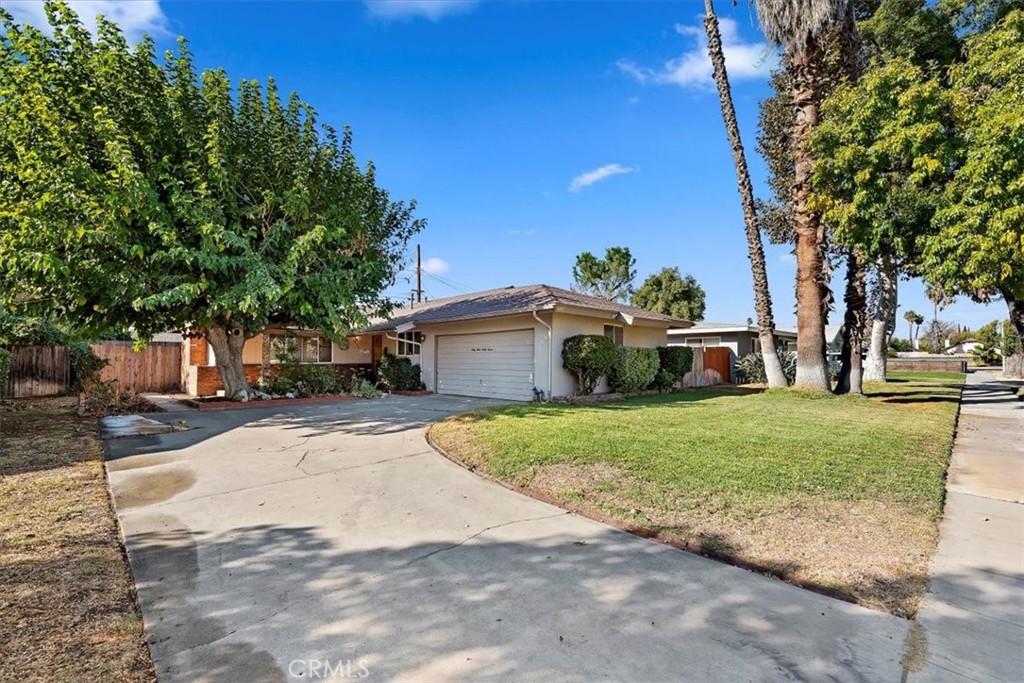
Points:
[491,365]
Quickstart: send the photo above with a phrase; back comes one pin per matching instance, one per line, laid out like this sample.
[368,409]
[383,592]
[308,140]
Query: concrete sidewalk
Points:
[971,623]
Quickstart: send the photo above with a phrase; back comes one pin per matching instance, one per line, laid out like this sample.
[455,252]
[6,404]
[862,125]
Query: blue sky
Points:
[527,131]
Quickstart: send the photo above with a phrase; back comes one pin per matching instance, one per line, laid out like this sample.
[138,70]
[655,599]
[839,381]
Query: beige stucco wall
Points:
[567,325]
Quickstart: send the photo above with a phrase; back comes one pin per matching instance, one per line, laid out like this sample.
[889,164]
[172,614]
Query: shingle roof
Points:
[509,301]
[705,326]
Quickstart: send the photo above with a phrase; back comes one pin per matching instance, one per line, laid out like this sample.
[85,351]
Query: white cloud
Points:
[434,265]
[598,174]
[743,60]
[788,259]
[633,101]
[434,10]
[134,18]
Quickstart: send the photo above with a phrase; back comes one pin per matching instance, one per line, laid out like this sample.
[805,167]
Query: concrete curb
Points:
[649,533]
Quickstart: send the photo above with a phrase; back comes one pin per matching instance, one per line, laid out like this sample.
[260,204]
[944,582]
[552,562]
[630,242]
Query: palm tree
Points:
[755,250]
[797,25]
[912,318]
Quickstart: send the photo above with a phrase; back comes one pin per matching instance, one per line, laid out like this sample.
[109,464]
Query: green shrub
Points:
[677,360]
[5,368]
[363,388]
[312,380]
[398,373]
[900,345]
[589,357]
[634,370]
[750,368]
[664,380]
[85,365]
[19,330]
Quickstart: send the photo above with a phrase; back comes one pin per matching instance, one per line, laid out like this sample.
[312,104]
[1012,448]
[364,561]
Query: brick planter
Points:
[273,403]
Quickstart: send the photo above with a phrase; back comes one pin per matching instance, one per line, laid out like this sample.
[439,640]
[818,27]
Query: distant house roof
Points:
[724,328]
[511,301]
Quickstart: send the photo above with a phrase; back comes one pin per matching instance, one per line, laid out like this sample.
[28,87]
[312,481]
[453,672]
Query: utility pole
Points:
[419,277]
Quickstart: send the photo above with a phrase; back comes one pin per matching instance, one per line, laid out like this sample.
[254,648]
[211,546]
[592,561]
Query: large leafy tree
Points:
[755,249]
[610,277]
[978,248]
[669,293]
[136,192]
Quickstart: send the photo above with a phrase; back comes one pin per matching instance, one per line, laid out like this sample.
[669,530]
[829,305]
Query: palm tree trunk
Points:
[755,250]
[851,372]
[811,288]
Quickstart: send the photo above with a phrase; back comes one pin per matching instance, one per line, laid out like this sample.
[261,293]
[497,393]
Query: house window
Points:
[704,341]
[409,343]
[614,332]
[300,349]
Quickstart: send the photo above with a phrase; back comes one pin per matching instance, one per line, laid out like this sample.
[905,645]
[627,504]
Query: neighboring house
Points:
[507,343]
[501,343]
[963,347]
[740,339]
[834,344]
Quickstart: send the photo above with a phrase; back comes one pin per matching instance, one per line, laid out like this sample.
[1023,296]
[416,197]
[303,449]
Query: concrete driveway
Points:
[331,543]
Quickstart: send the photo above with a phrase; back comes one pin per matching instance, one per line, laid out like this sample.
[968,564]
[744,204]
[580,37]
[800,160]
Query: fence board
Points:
[718,358]
[38,371]
[155,368]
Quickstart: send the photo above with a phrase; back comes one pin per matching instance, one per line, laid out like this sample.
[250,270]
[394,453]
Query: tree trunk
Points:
[1015,368]
[811,288]
[883,317]
[851,372]
[755,250]
[265,352]
[227,344]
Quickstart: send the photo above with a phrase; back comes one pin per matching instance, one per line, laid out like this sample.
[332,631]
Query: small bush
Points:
[750,368]
[308,380]
[398,373]
[363,388]
[634,370]
[5,368]
[677,360]
[85,365]
[900,345]
[589,357]
[664,380]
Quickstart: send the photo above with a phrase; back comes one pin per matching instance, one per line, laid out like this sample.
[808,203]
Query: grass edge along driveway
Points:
[838,493]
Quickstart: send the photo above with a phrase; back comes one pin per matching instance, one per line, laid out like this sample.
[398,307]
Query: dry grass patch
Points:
[67,605]
[837,493]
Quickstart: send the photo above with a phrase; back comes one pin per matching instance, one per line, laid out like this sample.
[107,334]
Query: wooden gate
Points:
[719,358]
[38,371]
[155,368]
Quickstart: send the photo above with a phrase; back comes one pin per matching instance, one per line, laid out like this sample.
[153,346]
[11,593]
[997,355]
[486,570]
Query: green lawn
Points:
[748,475]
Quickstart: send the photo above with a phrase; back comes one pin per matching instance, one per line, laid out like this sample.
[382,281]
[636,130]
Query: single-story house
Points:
[501,343]
[740,339]
[963,347]
[507,343]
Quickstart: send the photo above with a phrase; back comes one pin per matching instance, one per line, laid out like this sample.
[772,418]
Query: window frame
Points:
[618,334]
[409,343]
[300,341]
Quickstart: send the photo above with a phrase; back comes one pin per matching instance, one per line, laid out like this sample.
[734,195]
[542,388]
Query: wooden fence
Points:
[46,370]
[155,368]
[38,371]
[719,358]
